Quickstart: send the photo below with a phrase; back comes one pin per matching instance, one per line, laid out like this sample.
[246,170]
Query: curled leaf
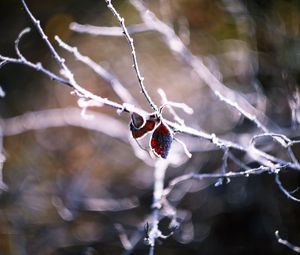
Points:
[139,126]
[161,140]
[137,120]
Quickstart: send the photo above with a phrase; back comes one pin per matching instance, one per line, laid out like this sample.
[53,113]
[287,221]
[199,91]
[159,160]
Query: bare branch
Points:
[202,176]
[159,176]
[36,66]
[178,48]
[186,151]
[108,31]
[123,237]
[287,243]
[125,107]
[170,105]
[62,117]
[2,92]
[283,189]
[118,88]
[293,156]
[54,53]
[81,92]
[133,53]
[3,186]
[224,168]
[237,161]
[106,204]
[17,41]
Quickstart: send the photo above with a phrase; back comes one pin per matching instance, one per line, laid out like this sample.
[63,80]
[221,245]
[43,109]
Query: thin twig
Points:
[118,88]
[36,66]
[238,162]
[17,41]
[133,53]
[202,176]
[66,71]
[224,167]
[37,25]
[123,237]
[283,189]
[63,117]
[170,106]
[177,47]
[258,155]
[284,141]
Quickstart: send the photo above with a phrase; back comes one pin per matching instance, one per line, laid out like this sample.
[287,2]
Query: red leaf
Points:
[140,126]
[161,140]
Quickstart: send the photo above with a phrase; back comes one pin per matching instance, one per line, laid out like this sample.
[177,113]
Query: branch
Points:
[123,237]
[179,49]
[159,177]
[287,243]
[284,141]
[108,31]
[133,53]
[117,86]
[81,92]
[36,66]
[258,155]
[170,105]
[283,189]
[3,186]
[84,94]
[202,176]
[62,117]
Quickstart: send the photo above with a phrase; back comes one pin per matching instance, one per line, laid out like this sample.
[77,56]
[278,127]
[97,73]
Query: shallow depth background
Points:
[254,44]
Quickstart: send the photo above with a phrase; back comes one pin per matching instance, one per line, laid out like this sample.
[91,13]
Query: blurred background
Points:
[73,190]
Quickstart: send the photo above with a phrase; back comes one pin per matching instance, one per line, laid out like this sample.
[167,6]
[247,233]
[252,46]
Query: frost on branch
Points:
[176,126]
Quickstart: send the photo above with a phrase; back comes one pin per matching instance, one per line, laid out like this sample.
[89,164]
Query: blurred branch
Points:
[62,117]
[179,49]
[108,31]
[80,91]
[170,36]
[118,88]
[283,189]
[257,155]
[159,176]
[287,243]
[116,129]
[123,237]
[284,141]
[202,176]
[3,186]
[71,117]
[169,105]
[112,205]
